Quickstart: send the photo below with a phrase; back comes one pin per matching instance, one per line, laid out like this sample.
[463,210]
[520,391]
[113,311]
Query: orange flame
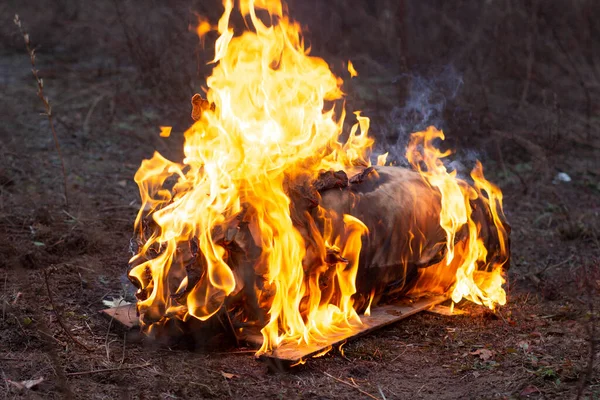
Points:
[271,121]
[267,124]
[165,131]
[203,27]
[351,69]
[468,254]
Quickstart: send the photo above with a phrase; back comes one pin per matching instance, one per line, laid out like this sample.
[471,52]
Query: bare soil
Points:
[537,346]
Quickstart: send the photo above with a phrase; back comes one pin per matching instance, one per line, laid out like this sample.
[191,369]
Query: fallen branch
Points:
[45,101]
[99,371]
[352,386]
[58,319]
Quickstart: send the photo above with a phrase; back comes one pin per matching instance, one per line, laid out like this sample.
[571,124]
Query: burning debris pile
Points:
[273,219]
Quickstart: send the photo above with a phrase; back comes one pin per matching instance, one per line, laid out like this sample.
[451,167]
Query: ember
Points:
[275,221]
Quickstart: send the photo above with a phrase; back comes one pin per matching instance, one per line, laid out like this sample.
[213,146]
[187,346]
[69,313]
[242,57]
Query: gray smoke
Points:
[424,105]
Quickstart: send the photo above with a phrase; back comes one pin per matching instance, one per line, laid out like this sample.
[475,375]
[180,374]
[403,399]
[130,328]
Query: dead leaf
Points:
[28,384]
[529,390]
[115,302]
[227,375]
[484,354]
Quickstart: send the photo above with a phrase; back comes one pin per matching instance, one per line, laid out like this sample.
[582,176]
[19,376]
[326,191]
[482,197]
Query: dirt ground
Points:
[541,345]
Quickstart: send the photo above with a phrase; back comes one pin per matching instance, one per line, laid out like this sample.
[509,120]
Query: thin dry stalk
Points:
[106,342]
[45,101]
[58,319]
[99,371]
[351,385]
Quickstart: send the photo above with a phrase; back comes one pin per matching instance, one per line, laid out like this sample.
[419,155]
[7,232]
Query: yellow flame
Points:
[323,352]
[382,159]
[351,69]
[268,124]
[300,362]
[340,348]
[271,119]
[165,131]
[203,27]
[371,297]
[466,251]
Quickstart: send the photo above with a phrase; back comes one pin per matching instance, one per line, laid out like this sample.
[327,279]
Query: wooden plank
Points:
[292,353]
[125,315]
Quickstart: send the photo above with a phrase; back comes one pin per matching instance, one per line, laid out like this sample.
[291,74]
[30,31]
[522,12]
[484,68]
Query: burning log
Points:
[297,238]
[401,212]
[402,237]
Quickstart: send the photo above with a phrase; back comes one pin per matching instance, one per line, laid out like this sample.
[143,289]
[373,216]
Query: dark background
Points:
[513,83]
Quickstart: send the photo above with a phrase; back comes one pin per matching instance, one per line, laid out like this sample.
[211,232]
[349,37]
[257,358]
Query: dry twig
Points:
[98,371]
[351,385]
[106,342]
[58,319]
[45,101]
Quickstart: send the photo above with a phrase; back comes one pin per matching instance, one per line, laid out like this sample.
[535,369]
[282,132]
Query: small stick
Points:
[106,343]
[45,101]
[52,337]
[99,371]
[226,353]
[124,343]
[351,385]
[58,319]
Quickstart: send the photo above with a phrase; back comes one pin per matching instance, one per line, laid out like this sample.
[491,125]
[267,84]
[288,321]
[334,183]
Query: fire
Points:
[165,131]
[351,69]
[465,256]
[270,123]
